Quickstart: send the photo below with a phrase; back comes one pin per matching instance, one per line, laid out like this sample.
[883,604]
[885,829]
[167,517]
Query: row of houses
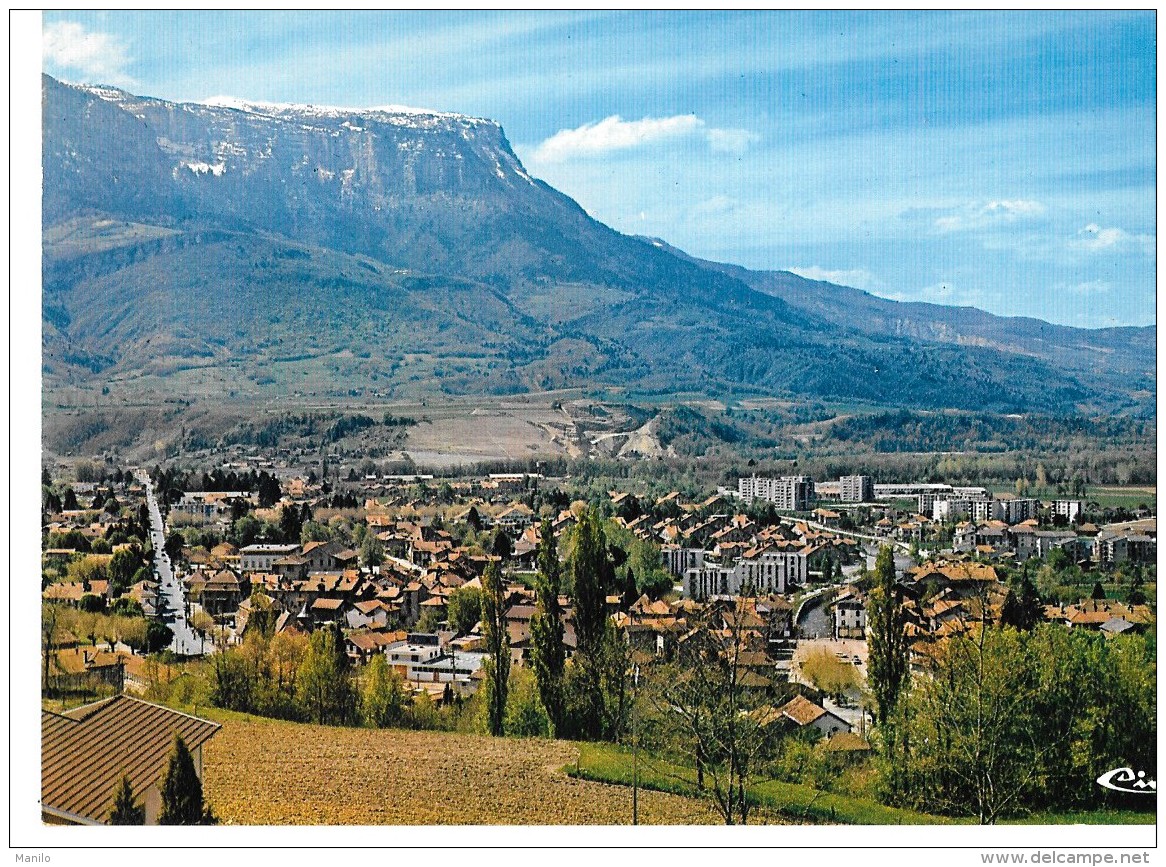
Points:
[1111,545]
[744,557]
[950,595]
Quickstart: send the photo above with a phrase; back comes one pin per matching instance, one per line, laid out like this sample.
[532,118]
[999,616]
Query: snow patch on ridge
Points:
[206,168]
[401,115]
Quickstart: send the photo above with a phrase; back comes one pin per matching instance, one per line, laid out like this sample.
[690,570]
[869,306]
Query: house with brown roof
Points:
[847,744]
[803,713]
[223,592]
[85,753]
[1095,613]
[515,517]
[225,553]
[362,645]
[87,669]
[324,610]
[368,614]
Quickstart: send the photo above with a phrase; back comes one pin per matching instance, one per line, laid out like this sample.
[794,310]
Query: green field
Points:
[1125,498]
[1106,496]
[610,764]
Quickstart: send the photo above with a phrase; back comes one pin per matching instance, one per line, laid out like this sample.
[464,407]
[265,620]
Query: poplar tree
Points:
[497,644]
[586,571]
[323,683]
[888,662]
[548,653]
[383,701]
[592,572]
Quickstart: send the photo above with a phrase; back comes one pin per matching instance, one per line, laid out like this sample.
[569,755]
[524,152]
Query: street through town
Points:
[186,641]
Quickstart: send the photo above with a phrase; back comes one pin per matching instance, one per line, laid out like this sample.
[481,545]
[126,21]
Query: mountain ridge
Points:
[338,233]
[1130,348]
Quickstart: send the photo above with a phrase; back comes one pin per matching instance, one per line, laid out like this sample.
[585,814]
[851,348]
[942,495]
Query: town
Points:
[221,587]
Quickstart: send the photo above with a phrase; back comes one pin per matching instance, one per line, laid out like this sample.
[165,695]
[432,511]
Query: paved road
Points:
[813,621]
[903,562]
[186,641]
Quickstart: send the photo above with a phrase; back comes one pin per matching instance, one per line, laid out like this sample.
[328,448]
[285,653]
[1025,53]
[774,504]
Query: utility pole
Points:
[635,748]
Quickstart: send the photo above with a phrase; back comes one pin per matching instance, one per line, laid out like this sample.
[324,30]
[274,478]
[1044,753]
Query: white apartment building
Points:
[951,510]
[972,493]
[849,619]
[856,489]
[677,560]
[1015,511]
[258,558]
[987,510]
[788,493]
[909,489]
[414,653]
[771,572]
[706,581]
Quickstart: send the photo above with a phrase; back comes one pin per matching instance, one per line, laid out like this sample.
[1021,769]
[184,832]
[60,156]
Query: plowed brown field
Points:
[267,772]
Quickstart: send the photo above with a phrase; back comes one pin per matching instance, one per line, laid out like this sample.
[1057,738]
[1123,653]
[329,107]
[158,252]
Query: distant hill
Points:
[280,250]
[1095,355]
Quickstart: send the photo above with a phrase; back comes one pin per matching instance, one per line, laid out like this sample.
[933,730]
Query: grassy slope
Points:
[605,763]
[610,764]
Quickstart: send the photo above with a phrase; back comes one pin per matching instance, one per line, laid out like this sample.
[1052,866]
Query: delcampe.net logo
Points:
[1127,780]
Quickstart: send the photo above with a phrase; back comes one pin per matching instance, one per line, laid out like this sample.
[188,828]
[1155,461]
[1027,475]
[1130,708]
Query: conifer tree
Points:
[125,809]
[181,789]
[630,589]
[1022,607]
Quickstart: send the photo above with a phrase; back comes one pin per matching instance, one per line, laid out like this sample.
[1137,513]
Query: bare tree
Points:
[703,712]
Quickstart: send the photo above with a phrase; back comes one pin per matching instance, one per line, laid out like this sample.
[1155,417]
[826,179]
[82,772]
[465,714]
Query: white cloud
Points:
[938,292]
[613,134]
[718,206]
[616,134]
[93,57]
[1095,239]
[859,278]
[1087,287]
[990,214]
[731,141]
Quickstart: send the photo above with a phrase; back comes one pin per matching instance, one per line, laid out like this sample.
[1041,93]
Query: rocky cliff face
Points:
[417,189]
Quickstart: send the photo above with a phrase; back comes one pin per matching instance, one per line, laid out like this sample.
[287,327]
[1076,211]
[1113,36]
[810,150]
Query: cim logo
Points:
[1126,780]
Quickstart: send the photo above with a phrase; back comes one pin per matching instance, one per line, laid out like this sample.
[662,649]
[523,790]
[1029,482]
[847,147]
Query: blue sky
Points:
[1001,160]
